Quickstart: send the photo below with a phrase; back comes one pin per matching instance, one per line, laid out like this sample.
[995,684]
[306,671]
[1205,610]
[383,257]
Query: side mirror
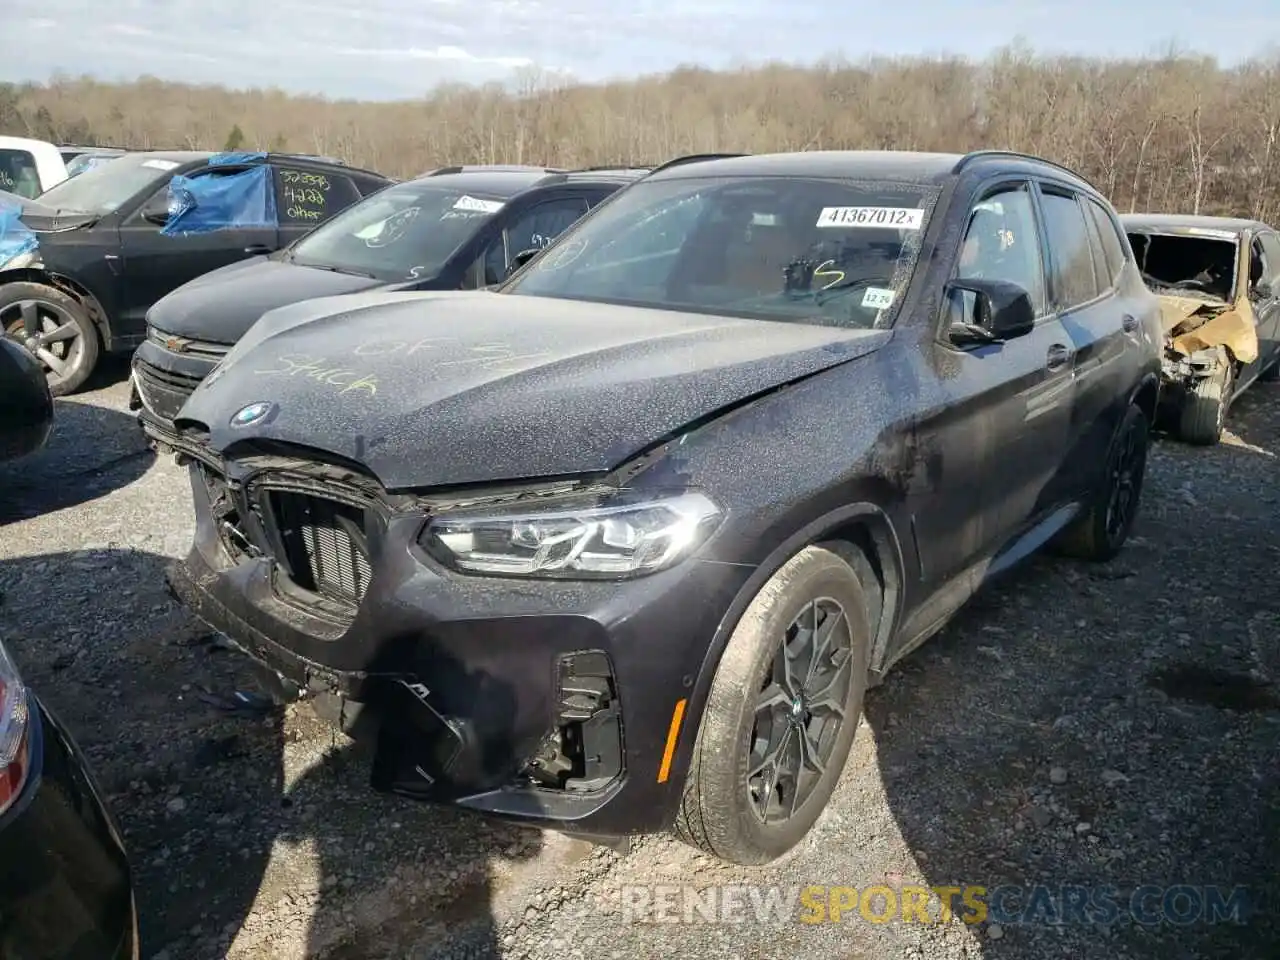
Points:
[988,311]
[158,217]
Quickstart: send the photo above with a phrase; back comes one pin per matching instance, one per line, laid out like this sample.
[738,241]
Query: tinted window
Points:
[18,173]
[310,198]
[1001,243]
[532,230]
[810,250]
[405,232]
[103,189]
[1109,233]
[1069,251]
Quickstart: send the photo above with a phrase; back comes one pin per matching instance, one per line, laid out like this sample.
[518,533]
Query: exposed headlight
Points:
[599,540]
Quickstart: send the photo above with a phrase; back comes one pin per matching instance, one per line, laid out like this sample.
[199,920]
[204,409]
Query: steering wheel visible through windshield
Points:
[404,232]
[832,252]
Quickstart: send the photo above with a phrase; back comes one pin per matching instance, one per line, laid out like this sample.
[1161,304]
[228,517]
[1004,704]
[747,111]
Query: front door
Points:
[156,263]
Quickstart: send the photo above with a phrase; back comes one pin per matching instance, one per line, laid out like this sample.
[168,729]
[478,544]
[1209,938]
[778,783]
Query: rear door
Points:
[156,263]
[1267,307]
[306,198]
[1103,326]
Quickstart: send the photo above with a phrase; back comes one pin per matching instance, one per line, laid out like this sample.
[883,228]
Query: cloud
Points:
[402,48]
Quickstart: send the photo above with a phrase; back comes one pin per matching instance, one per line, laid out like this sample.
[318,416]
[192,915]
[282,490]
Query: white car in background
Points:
[29,167]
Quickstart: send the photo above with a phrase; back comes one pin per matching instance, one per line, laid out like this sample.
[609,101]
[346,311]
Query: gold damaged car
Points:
[1218,280]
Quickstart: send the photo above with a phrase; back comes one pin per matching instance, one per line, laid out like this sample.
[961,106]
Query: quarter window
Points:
[1073,280]
[1001,243]
[1112,246]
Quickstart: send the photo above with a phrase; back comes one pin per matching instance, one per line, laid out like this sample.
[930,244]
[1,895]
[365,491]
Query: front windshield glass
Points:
[1188,264]
[404,232]
[831,252]
[101,190]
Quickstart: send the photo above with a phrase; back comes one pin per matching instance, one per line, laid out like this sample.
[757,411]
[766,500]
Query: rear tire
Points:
[737,805]
[1204,409]
[1100,533]
[67,343]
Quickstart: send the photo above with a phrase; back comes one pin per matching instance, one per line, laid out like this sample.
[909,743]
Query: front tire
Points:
[56,328]
[783,709]
[1204,409]
[1100,533]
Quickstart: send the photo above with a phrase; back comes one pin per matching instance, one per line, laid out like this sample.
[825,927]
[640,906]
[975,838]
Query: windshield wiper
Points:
[343,270]
[822,296]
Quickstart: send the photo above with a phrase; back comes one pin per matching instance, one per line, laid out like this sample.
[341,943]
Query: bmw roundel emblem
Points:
[253,413]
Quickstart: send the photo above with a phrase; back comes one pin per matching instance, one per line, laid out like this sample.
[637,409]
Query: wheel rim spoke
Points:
[30,313]
[65,331]
[53,362]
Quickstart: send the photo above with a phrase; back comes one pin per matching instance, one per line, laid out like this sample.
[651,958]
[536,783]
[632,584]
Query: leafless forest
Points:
[1175,132]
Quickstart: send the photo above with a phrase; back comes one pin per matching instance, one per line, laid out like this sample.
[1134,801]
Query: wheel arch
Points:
[1146,395]
[861,529]
[72,288]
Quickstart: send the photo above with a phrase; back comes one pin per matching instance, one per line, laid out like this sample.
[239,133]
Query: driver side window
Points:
[1001,242]
[1271,253]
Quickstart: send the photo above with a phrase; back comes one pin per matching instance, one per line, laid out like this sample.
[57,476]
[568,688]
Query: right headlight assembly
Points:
[610,539]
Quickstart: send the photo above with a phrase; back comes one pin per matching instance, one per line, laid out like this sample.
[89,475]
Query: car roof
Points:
[893,166]
[1177,222]
[508,181]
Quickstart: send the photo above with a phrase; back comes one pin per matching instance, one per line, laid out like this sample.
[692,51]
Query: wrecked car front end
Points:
[472,565]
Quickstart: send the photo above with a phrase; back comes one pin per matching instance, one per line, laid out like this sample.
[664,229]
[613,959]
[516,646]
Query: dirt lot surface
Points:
[1114,725]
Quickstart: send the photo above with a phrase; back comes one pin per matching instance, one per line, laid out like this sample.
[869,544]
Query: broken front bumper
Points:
[547,702]
[1180,372]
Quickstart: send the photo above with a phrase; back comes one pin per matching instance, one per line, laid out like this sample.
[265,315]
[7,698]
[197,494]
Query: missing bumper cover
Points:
[583,752]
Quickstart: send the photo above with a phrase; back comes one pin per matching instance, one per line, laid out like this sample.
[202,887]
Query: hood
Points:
[1175,310]
[436,389]
[220,306]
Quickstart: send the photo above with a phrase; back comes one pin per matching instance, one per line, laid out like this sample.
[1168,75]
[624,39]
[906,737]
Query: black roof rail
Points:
[1016,155]
[288,155]
[696,158]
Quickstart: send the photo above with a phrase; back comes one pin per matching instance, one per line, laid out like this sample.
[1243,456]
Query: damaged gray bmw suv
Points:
[621,544]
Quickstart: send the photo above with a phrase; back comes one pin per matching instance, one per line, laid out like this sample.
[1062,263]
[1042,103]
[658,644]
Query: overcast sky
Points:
[385,49]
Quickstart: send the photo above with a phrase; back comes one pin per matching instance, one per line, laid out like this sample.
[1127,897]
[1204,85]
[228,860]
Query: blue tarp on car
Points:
[16,237]
[223,159]
[203,204]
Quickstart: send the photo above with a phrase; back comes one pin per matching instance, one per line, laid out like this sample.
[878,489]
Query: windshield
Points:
[84,162]
[100,190]
[831,252]
[1188,264]
[404,232]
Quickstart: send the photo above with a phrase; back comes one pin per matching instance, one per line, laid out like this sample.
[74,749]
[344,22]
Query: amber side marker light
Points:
[673,734]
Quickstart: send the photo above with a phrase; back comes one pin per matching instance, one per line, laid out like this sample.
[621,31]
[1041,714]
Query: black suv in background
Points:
[622,543]
[454,228]
[102,248]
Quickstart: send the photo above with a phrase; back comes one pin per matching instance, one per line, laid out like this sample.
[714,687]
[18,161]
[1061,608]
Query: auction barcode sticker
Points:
[904,218]
[477,205]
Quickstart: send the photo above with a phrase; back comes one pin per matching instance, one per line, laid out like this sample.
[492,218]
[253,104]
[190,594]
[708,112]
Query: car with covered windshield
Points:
[619,545]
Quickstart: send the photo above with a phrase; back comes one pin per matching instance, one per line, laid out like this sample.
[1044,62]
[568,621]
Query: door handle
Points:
[256,248]
[1129,323]
[1059,357]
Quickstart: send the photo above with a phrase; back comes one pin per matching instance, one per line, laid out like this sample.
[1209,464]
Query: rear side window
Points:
[308,198]
[18,173]
[1271,255]
[1071,255]
[1109,233]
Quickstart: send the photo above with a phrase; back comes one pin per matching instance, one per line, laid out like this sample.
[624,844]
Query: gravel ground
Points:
[1112,725]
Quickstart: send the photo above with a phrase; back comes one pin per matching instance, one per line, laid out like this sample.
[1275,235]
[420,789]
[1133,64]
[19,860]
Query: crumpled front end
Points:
[1200,336]
[547,702]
